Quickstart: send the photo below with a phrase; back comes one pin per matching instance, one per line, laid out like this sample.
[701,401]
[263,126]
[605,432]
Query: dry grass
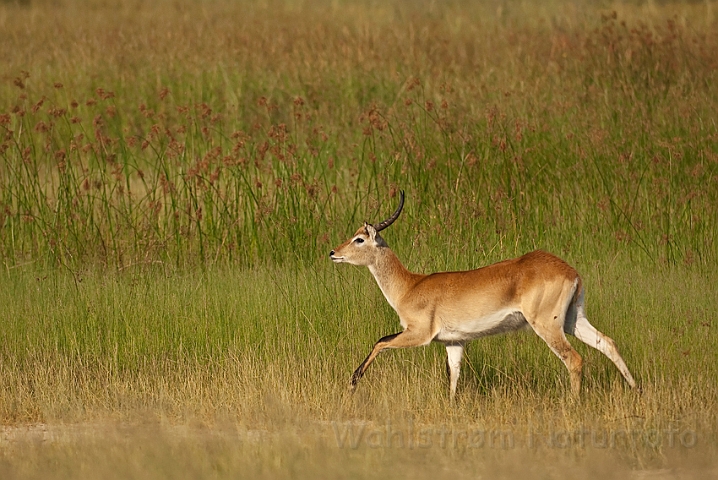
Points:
[236,367]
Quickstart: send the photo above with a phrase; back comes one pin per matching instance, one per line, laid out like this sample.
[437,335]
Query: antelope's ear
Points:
[371,231]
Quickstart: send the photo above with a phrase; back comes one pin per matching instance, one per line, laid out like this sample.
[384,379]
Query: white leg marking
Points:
[454,352]
[588,334]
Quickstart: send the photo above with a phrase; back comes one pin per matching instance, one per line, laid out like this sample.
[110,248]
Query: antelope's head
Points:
[363,246]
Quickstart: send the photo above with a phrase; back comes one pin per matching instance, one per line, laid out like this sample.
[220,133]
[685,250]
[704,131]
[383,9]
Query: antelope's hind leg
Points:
[582,329]
[559,345]
[549,324]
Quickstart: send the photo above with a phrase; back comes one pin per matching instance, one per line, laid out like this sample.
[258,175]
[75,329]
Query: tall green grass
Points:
[274,138]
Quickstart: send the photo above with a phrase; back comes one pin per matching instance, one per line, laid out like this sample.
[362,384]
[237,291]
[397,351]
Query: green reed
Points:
[584,140]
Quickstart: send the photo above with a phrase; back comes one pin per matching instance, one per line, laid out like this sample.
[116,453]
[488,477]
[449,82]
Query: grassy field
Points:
[173,176]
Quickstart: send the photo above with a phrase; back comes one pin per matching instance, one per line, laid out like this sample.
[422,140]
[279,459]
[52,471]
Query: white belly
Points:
[498,322]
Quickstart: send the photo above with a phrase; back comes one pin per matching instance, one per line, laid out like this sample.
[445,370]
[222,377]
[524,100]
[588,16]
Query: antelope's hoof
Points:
[354,381]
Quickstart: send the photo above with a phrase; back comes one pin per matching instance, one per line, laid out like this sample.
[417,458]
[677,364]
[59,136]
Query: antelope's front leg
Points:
[454,352]
[407,338]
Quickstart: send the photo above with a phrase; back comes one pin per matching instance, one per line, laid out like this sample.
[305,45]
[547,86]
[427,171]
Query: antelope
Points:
[537,290]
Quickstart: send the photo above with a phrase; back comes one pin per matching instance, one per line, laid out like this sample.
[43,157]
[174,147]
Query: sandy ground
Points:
[17,441]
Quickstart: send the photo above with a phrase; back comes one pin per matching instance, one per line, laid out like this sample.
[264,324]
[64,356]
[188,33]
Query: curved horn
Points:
[381,226]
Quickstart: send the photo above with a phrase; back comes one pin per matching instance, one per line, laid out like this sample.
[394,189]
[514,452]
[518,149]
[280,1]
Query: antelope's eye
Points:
[359,240]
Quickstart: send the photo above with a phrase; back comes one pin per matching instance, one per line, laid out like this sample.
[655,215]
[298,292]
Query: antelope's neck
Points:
[393,278]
